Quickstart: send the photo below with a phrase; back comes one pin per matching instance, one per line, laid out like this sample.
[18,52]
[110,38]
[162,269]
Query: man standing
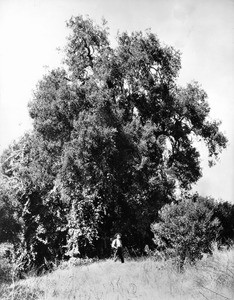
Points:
[118,248]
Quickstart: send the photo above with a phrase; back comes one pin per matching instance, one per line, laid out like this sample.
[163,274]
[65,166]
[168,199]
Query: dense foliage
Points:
[187,229]
[113,136]
[224,211]
[9,225]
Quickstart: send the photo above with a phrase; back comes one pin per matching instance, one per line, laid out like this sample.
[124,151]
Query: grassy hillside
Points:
[212,278]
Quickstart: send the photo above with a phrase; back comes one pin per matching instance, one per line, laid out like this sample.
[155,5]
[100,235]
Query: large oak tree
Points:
[113,136]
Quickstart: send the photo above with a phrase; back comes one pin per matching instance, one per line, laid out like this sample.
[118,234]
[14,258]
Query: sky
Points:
[203,30]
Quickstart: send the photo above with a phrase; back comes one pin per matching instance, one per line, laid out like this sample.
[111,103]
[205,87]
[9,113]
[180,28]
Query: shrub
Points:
[186,229]
[6,266]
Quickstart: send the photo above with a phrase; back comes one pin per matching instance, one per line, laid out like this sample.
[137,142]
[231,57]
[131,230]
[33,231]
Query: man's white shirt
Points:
[116,243]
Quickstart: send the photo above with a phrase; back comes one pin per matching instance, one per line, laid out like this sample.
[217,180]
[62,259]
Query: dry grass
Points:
[212,278]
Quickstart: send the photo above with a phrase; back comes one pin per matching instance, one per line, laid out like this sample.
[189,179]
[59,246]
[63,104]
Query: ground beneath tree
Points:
[211,278]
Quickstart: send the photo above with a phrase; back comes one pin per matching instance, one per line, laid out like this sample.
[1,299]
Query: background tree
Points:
[224,211]
[28,181]
[113,133]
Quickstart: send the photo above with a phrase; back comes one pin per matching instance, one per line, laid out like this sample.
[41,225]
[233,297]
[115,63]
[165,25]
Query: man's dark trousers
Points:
[119,254]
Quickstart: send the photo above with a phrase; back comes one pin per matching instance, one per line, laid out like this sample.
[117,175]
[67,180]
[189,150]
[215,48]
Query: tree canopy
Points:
[113,136]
